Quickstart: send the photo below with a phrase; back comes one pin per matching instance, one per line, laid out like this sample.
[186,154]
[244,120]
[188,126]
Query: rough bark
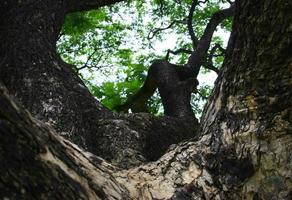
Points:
[244,151]
[34,73]
[36,163]
[133,139]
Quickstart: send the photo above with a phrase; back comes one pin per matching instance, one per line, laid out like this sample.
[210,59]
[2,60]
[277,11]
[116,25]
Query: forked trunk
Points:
[244,151]
[33,72]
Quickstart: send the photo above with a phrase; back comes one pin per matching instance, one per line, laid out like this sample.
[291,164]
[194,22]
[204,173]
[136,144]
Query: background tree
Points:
[244,147]
[137,33]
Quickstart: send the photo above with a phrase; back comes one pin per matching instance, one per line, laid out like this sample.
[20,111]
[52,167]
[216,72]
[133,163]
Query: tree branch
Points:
[199,55]
[179,51]
[88,59]
[157,30]
[86,5]
[190,23]
[137,102]
[209,65]
[209,62]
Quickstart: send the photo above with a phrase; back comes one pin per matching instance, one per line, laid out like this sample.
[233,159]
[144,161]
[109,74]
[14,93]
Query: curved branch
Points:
[190,23]
[157,30]
[199,55]
[137,103]
[175,85]
[210,66]
[209,62]
[176,52]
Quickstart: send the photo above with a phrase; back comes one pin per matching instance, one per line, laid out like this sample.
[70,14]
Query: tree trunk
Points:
[36,163]
[33,72]
[244,149]
[175,85]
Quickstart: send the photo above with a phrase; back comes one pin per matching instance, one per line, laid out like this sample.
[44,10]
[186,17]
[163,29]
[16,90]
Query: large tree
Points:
[242,149]
[33,72]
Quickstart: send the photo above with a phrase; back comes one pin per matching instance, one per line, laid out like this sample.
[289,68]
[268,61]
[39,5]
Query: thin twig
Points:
[157,30]
[176,52]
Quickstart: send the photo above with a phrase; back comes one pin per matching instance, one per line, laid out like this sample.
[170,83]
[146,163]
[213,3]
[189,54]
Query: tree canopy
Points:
[113,47]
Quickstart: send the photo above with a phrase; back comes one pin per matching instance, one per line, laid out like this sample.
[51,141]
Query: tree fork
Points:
[34,73]
[175,86]
[176,83]
[244,151]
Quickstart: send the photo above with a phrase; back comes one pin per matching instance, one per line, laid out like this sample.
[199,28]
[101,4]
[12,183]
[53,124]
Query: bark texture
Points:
[39,164]
[34,73]
[132,139]
[244,149]
[250,111]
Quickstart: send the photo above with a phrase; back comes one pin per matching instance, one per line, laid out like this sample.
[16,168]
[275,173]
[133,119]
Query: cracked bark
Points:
[244,149]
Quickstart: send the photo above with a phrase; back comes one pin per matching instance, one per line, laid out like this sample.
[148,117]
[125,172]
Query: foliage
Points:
[113,47]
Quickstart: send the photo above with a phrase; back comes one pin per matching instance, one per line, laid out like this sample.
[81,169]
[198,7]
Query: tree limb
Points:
[179,51]
[163,73]
[137,103]
[209,62]
[190,23]
[198,56]
[209,65]
[157,30]
[89,58]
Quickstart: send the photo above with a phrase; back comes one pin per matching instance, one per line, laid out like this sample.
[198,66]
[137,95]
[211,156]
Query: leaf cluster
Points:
[112,48]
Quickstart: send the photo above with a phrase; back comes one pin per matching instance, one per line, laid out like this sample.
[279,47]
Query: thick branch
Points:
[137,103]
[175,85]
[48,162]
[198,56]
[244,151]
[209,65]
[86,5]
